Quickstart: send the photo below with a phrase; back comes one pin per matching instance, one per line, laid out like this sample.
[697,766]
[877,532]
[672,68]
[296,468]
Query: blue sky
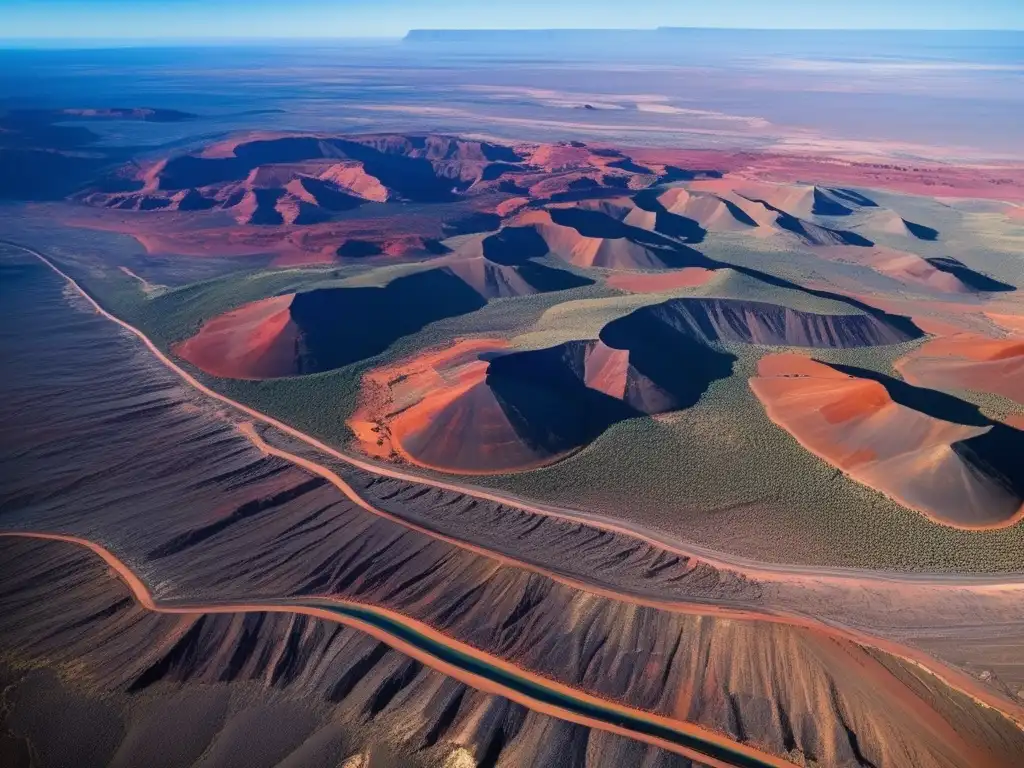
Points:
[137,19]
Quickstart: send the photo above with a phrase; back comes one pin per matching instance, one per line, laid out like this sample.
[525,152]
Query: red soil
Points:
[436,411]
[562,157]
[635,282]
[705,159]
[968,361]
[256,341]
[226,148]
[286,210]
[216,234]
[510,206]
[796,199]
[899,265]
[711,211]
[1012,323]
[569,245]
[607,370]
[854,425]
[936,327]
[951,316]
[353,178]
[932,179]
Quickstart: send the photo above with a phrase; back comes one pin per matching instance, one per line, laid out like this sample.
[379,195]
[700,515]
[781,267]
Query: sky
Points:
[184,19]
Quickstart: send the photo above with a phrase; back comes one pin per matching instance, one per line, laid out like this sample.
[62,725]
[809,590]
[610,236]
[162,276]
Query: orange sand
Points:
[441,394]
[899,265]
[569,245]
[854,425]
[255,341]
[510,206]
[711,211]
[968,361]
[796,199]
[1012,323]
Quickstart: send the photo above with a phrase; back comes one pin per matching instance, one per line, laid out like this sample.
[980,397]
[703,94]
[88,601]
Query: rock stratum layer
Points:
[239,526]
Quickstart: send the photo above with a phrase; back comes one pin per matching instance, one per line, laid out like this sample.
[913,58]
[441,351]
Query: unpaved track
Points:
[949,675]
[499,677]
[720,560]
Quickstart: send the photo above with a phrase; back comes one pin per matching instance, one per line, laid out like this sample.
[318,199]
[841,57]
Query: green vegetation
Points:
[723,475]
[720,474]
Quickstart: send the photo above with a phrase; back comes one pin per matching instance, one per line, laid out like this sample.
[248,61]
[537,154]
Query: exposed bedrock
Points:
[783,689]
[753,322]
[99,681]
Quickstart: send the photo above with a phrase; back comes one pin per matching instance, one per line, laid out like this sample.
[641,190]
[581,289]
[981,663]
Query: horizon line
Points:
[135,41]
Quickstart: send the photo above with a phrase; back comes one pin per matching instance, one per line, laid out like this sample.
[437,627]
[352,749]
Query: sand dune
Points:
[480,408]
[799,200]
[973,279]
[929,179]
[327,172]
[465,428]
[811,233]
[503,264]
[1012,323]
[591,238]
[891,223]
[900,265]
[492,280]
[736,203]
[713,212]
[454,411]
[257,341]
[812,213]
[323,329]
[940,468]
[968,361]
[331,173]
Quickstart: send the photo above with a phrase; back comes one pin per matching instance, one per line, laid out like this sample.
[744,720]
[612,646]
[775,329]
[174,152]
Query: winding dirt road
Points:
[949,675]
[714,558]
[456,659]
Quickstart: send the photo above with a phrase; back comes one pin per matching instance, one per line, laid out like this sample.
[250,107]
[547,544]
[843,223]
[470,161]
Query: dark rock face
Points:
[753,322]
[564,397]
[339,326]
[656,359]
